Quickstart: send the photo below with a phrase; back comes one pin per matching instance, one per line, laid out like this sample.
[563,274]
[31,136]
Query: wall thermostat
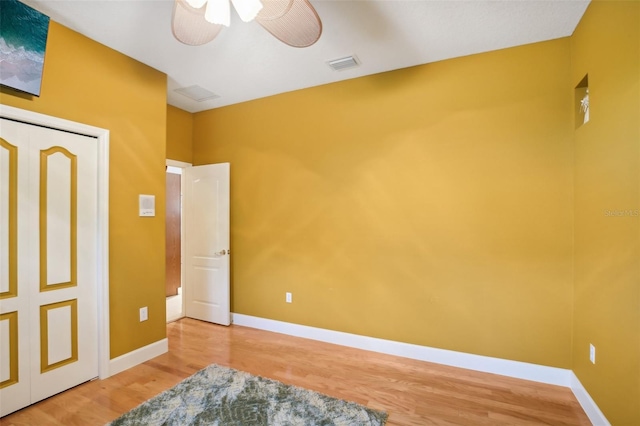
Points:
[147,205]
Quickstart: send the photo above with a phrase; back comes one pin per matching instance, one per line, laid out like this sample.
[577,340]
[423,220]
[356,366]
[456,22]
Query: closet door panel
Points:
[48,263]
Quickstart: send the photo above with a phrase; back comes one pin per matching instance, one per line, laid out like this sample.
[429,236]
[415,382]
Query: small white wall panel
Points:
[8,217]
[4,220]
[9,353]
[206,293]
[59,334]
[5,351]
[58,219]
[205,190]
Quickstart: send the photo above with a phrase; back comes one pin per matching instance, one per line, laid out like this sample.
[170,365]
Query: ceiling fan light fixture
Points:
[247,9]
[189,26]
[293,22]
[196,4]
[218,12]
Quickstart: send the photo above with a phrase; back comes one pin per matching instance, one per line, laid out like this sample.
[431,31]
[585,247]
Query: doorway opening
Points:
[174,246]
[204,237]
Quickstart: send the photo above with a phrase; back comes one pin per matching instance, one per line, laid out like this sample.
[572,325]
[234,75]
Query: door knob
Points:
[221,253]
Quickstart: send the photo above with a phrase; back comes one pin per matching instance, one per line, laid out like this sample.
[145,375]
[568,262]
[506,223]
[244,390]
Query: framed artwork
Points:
[23,41]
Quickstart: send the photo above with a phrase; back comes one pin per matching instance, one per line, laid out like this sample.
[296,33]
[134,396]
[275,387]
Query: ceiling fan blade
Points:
[189,26]
[293,22]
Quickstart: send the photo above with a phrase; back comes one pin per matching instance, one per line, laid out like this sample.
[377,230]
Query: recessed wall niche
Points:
[581,102]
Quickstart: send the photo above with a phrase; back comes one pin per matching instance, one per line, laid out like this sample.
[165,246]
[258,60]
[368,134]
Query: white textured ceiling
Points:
[245,62]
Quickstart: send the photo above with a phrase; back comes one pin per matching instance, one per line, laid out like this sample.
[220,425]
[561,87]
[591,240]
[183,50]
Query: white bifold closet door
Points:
[48,262]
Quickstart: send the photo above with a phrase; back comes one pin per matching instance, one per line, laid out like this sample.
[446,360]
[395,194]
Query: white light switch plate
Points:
[144,314]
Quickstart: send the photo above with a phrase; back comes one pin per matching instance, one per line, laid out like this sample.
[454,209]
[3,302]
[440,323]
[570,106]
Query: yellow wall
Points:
[179,134]
[89,83]
[430,205]
[606,45]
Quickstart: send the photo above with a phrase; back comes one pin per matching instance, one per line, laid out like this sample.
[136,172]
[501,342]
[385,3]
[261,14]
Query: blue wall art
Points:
[23,40]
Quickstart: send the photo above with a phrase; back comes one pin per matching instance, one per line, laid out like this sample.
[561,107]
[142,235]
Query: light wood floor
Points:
[412,392]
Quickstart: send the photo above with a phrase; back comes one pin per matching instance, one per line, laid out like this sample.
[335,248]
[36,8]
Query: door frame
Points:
[102,278]
[181,165]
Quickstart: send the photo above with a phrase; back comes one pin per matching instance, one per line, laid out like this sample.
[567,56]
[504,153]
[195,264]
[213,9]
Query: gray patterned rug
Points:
[222,396]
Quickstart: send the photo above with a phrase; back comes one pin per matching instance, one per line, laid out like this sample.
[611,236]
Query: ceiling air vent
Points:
[197,93]
[344,63]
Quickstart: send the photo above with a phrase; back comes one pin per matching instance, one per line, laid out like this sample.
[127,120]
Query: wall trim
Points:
[504,367]
[176,163]
[588,404]
[102,279]
[517,369]
[138,356]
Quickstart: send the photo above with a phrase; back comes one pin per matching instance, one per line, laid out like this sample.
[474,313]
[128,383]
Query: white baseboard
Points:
[133,358]
[588,404]
[517,369]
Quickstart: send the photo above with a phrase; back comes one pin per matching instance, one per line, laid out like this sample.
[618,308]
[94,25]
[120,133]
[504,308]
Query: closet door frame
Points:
[102,136]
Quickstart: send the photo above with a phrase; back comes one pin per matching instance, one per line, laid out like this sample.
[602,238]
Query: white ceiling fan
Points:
[294,22]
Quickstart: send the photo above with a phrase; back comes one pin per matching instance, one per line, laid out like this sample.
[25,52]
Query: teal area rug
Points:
[223,396]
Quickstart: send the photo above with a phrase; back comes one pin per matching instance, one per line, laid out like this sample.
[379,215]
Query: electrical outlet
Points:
[592,353]
[288,297]
[144,314]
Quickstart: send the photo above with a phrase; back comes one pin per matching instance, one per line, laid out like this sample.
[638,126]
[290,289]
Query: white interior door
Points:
[206,216]
[48,262]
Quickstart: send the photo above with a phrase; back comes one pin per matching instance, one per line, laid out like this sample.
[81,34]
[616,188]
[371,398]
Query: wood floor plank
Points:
[412,392]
